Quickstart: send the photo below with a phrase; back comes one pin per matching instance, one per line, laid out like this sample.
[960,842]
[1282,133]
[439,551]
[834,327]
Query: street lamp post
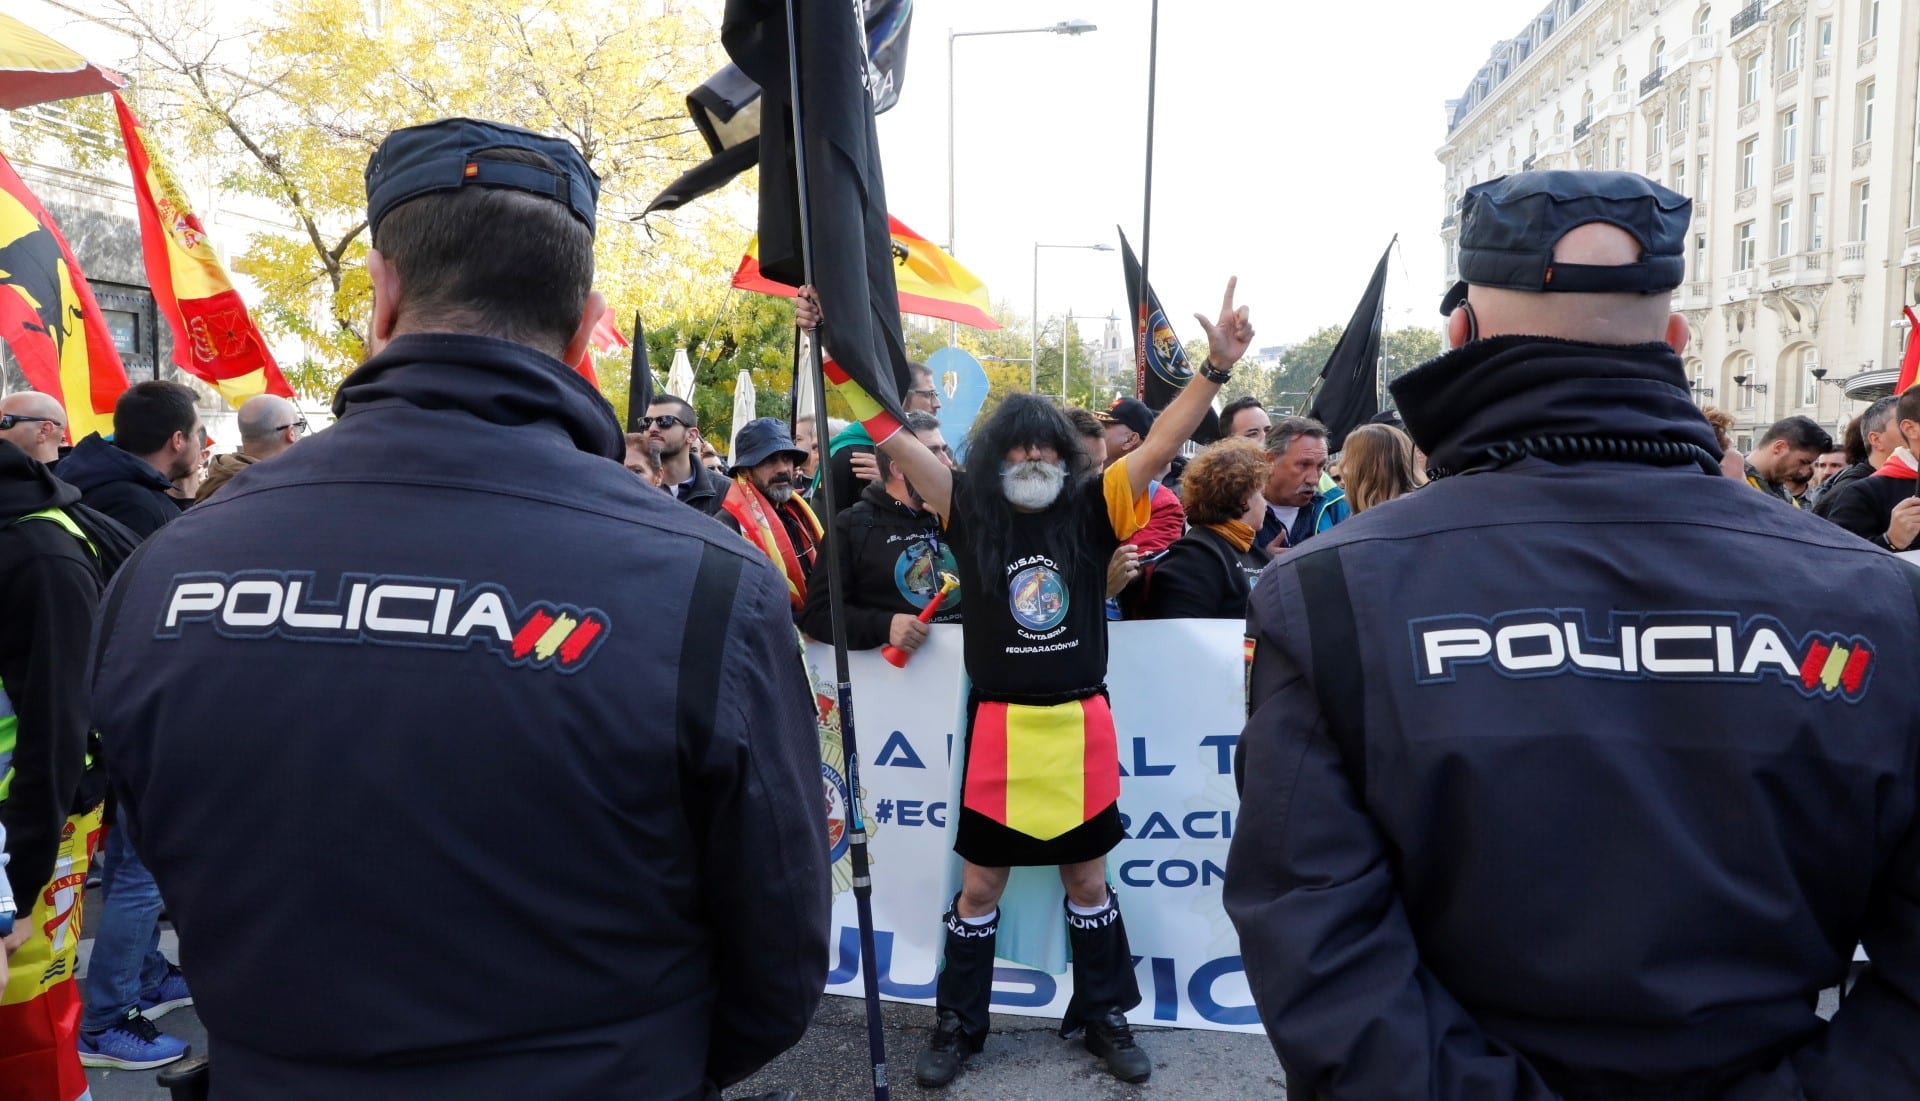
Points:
[1033,381]
[1069,27]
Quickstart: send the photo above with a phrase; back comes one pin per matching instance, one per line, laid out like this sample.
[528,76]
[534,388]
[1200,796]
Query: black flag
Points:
[852,244]
[639,378]
[727,108]
[1160,362]
[1349,393]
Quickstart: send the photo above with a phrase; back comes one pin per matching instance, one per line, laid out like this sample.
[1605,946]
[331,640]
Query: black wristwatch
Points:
[1213,374]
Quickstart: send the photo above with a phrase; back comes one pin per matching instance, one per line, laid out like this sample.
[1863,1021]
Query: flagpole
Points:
[1141,336]
[836,604]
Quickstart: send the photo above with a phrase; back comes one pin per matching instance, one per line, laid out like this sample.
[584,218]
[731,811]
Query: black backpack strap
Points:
[1335,642]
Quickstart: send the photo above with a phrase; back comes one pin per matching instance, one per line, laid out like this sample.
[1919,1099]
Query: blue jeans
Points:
[126,960]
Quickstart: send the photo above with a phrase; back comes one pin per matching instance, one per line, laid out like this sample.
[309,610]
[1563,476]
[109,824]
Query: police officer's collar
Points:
[1496,391]
[496,380]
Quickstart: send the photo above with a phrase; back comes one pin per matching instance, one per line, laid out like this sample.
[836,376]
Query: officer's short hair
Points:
[917,422]
[1282,433]
[1801,434]
[1909,404]
[149,413]
[494,261]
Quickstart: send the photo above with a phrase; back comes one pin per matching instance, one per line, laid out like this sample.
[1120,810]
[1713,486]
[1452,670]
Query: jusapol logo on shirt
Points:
[1659,646]
[427,613]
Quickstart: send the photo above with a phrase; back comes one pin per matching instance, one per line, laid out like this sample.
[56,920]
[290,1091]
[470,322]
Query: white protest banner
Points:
[1177,691]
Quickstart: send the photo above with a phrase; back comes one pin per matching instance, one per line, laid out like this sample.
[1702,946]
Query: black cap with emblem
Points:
[443,156]
[1509,225]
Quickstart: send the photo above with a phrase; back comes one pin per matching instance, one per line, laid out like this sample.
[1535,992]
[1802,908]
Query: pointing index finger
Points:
[1226,304]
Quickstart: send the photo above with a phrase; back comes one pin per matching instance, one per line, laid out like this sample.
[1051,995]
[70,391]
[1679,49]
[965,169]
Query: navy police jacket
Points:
[1576,777]
[469,765]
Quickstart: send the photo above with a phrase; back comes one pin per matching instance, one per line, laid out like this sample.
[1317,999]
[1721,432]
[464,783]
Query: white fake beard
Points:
[1033,485]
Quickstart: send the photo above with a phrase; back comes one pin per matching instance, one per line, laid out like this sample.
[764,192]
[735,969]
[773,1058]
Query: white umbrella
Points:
[680,376]
[743,411]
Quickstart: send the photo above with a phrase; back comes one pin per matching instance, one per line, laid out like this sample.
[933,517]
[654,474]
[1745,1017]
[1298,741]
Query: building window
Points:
[1818,143]
[1749,162]
[1816,222]
[1706,105]
[1809,385]
[1790,55]
[1586,104]
[1657,133]
[1749,80]
[1620,79]
[1743,368]
[1743,247]
[1703,22]
[1680,114]
[1823,39]
[1699,256]
[1678,176]
[1700,174]
[1620,152]
[1789,135]
[1869,19]
[1862,196]
[1783,229]
[1863,112]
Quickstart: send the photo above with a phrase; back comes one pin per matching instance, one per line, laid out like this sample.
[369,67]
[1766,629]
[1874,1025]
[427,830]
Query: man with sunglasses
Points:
[269,424]
[34,423]
[922,396]
[671,429]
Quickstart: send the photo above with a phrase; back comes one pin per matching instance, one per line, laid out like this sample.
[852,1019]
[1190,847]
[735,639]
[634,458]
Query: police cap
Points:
[441,156]
[1509,225]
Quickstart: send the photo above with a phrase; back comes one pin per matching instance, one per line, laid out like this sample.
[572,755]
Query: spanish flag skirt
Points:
[1042,782]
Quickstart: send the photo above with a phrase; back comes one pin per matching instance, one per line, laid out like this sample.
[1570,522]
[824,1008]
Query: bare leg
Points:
[1086,882]
[980,889]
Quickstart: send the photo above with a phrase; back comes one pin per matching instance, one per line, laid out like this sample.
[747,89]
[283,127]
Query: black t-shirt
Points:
[1039,628]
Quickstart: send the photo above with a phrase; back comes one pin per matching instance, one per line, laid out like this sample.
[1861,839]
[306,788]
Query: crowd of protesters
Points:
[1106,514]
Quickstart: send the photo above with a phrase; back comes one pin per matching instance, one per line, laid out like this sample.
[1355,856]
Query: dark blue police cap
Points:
[762,439]
[1509,225]
[440,156]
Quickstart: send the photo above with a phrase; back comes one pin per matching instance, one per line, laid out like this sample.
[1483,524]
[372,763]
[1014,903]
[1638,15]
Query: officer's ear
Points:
[1460,326]
[590,314]
[386,301]
[1679,333]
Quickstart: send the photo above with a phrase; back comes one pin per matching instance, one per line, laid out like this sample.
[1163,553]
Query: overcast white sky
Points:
[1293,140]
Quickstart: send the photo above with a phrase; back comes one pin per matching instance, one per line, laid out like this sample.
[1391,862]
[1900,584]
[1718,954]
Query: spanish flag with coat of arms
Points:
[213,337]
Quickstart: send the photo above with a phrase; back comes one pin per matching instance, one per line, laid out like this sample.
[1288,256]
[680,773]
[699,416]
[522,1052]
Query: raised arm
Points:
[1227,340]
[930,476]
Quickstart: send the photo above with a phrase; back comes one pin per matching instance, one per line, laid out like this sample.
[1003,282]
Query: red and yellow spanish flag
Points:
[1042,770]
[48,315]
[213,338]
[931,283]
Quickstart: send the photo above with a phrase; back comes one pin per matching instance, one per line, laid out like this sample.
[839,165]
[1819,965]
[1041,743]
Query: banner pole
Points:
[1141,335]
[843,682]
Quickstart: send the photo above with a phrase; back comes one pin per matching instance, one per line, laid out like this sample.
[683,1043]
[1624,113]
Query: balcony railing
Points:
[1823,68]
[1619,103]
[1817,164]
[1449,221]
[1779,265]
[1740,282]
[1748,16]
[1852,259]
[1581,128]
[1652,81]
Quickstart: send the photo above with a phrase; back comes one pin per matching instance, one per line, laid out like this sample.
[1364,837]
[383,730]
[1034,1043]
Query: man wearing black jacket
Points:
[1882,508]
[1538,808]
[1879,435]
[49,590]
[157,438]
[892,557]
[538,811]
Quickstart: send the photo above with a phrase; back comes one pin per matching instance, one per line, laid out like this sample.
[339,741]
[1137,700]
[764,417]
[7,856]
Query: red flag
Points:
[213,337]
[48,315]
[1909,363]
[606,337]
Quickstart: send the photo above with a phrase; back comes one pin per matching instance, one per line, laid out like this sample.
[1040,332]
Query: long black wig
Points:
[1021,420]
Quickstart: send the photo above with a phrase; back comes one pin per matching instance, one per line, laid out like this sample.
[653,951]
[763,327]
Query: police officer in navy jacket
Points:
[469,765]
[1580,773]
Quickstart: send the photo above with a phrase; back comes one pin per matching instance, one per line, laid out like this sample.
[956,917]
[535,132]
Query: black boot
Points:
[1104,988]
[961,1001]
